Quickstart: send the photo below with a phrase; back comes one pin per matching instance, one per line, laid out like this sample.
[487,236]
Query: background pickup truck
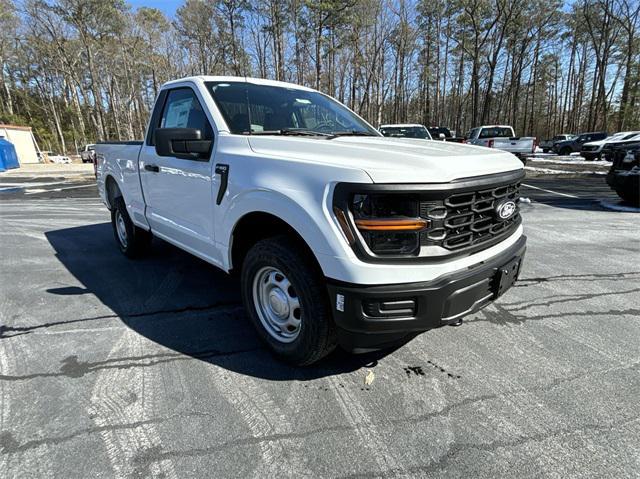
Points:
[502,138]
[87,153]
[339,235]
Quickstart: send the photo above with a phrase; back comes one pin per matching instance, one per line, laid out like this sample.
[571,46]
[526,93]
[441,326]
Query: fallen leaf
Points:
[369,378]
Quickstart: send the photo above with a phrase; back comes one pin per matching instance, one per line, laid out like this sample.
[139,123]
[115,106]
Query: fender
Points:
[310,222]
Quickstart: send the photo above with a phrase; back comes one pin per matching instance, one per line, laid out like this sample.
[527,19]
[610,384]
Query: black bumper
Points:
[375,317]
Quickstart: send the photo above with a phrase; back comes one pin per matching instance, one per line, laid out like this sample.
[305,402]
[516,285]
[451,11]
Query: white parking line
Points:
[40,190]
[550,191]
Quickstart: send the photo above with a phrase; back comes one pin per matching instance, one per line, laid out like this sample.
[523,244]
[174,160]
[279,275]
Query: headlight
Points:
[389,224]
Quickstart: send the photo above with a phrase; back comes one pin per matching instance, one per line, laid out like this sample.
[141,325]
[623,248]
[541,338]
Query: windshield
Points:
[623,136]
[405,132]
[263,109]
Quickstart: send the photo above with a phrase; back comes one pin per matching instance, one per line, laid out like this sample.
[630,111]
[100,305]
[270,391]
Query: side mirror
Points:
[185,143]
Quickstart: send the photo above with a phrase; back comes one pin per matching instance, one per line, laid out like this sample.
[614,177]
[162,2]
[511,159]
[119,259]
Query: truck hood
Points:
[391,160]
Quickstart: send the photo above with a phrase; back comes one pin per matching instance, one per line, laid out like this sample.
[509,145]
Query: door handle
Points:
[223,171]
[154,168]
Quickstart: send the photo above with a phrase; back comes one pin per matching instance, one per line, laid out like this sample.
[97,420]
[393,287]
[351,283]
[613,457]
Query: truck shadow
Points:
[180,302]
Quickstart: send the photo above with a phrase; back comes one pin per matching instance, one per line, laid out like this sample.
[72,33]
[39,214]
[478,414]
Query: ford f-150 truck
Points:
[502,137]
[339,235]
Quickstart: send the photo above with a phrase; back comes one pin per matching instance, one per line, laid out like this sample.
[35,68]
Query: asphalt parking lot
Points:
[119,368]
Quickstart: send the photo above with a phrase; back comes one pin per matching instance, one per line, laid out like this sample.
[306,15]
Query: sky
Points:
[169,7]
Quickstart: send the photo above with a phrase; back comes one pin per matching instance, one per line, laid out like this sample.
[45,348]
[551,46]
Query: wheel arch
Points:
[258,225]
[112,190]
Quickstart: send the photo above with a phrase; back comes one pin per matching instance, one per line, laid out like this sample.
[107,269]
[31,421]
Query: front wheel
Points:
[286,299]
[132,240]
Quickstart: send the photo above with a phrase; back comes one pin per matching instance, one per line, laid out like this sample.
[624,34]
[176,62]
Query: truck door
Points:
[178,192]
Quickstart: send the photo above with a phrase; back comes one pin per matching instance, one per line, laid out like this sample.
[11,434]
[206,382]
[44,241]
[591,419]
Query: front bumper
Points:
[375,317]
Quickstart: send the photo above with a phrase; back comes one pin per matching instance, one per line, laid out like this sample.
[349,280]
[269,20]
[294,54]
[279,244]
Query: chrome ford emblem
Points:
[505,210]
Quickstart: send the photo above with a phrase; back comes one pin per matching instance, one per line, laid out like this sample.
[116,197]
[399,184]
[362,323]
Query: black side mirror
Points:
[185,143]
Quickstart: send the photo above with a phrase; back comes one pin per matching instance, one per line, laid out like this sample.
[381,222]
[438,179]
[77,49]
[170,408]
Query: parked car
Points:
[547,145]
[55,157]
[593,149]
[503,138]
[87,153]
[624,174]
[573,145]
[444,134]
[340,235]
[610,147]
[408,130]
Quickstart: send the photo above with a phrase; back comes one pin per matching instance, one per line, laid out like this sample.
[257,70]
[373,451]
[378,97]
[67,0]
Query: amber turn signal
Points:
[410,224]
[344,224]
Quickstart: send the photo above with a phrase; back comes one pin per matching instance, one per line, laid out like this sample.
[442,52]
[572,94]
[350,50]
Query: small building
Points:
[23,141]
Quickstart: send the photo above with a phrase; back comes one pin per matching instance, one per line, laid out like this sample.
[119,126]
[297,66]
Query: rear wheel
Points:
[286,299]
[132,240]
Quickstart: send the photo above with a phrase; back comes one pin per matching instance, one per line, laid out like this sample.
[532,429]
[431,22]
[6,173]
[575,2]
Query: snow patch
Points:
[551,171]
[570,161]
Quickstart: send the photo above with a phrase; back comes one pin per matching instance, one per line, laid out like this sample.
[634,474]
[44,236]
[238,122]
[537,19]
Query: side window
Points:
[183,110]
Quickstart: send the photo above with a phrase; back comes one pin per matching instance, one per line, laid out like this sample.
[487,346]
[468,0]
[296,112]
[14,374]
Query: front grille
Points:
[467,220]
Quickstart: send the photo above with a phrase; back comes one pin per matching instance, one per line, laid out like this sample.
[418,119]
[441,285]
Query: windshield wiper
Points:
[337,134]
[292,132]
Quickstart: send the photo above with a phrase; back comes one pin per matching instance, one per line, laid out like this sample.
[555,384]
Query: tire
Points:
[132,240]
[545,150]
[630,195]
[566,151]
[278,278]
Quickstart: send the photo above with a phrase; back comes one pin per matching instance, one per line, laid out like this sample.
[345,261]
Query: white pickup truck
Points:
[340,235]
[503,138]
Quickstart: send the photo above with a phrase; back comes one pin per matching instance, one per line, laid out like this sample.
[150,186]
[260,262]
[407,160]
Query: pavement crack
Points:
[73,368]
[10,445]
[21,330]
[594,277]
[504,316]
[185,309]
[566,298]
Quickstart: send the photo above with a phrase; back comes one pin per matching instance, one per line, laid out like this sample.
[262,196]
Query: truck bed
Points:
[120,158]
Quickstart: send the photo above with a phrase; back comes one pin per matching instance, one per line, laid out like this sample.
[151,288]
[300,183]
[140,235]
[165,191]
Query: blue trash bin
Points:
[8,155]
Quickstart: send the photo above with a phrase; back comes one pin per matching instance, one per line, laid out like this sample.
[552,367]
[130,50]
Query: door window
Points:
[183,110]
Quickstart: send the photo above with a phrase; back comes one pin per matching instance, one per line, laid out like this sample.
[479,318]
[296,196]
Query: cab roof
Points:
[237,79]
